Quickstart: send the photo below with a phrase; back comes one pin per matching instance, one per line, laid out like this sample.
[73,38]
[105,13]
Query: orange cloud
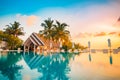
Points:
[27,20]
[80,35]
[31,20]
[89,34]
[112,33]
[100,34]
[119,34]
[83,35]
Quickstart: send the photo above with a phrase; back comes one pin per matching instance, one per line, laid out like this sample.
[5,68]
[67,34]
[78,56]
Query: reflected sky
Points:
[51,66]
[59,66]
[99,68]
[9,70]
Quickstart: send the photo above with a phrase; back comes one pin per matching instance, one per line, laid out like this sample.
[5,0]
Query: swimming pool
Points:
[59,66]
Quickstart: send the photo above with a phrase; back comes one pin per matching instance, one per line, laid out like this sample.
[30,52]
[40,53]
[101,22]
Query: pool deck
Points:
[10,50]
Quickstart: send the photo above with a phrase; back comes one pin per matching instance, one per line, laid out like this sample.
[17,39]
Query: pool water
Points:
[59,66]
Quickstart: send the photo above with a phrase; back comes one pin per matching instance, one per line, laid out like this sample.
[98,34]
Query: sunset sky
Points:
[88,20]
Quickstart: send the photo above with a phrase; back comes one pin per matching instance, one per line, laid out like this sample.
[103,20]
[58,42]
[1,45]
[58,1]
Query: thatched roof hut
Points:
[36,41]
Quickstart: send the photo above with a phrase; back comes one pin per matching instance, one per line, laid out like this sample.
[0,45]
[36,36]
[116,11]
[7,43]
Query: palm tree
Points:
[60,32]
[14,29]
[48,28]
[55,32]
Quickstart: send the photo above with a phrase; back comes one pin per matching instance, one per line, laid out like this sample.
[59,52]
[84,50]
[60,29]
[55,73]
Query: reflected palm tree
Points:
[52,66]
[11,72]
[9,67]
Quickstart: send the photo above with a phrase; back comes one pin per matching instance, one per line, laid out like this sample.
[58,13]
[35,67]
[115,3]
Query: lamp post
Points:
[109,45]
[89,45]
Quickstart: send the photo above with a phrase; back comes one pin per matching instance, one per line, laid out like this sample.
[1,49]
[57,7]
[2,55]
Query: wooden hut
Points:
[37,43]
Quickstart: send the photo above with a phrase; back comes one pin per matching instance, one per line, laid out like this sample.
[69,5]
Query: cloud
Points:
[119,34]
[28,20]
[119,19]
[100,34]
[83,35]
[105,34]
[30,23]
[80,35]
[90,18]
[31,20]
[112,33]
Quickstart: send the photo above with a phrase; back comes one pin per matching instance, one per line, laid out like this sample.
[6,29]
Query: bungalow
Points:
[37,43]
[3,45]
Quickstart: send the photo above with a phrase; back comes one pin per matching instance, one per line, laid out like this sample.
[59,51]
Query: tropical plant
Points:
[60,32]
[14,29]
[79,46]
[48,28]
[13,42]
[1,35]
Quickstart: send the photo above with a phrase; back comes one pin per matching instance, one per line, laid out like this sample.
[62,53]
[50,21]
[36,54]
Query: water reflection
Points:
[111,62]
[110,57]
[59,66]
[8,67]
[52,66]
[90,57]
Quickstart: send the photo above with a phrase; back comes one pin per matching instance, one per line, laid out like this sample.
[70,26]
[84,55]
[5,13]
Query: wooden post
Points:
[18,50]
[24,48]
[28,48]
[34,48]
[42,50]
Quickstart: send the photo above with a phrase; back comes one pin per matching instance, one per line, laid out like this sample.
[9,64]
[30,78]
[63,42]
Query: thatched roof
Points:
[48,42]
[39,40]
